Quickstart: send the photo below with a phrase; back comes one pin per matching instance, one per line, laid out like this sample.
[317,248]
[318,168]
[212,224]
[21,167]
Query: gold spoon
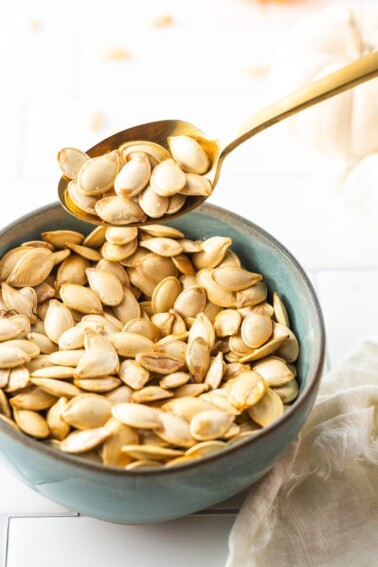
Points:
[362,70]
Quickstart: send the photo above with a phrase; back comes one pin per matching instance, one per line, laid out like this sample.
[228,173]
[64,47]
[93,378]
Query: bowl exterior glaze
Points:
[149,496]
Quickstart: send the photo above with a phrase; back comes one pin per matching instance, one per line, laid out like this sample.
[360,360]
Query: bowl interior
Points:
[258,251]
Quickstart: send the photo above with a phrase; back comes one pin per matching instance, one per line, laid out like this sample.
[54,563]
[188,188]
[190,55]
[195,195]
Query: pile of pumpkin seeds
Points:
[139,347]
[138,181]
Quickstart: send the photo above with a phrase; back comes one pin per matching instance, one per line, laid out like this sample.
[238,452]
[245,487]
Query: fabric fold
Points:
[319,505]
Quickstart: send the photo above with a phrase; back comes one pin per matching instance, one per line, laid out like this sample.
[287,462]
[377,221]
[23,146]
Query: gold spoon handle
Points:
[358,72]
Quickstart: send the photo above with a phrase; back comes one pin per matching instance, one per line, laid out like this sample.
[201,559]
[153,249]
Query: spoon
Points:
[362,70]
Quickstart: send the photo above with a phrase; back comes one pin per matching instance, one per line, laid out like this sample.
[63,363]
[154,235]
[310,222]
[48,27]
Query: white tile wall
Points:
[54,78]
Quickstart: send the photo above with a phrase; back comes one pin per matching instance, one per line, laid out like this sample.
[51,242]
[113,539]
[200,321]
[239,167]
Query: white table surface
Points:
[54,79]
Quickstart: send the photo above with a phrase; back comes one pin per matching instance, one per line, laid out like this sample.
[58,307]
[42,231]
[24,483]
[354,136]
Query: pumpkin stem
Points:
[356,36]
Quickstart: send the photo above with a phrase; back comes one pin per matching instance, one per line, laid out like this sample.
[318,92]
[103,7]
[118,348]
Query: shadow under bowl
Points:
[142,496]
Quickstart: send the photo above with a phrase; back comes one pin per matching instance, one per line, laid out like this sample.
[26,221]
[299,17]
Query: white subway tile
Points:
[18,498]
[350,306]
[194,540]
[36,62]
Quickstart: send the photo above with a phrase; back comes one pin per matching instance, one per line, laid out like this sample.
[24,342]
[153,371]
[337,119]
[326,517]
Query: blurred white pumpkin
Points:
[326,40]
[359,189]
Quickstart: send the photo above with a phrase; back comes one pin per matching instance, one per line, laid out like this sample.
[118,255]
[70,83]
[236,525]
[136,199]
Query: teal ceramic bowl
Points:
[152,495]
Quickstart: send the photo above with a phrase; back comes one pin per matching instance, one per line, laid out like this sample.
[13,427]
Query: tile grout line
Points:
[5,520]
[4,531]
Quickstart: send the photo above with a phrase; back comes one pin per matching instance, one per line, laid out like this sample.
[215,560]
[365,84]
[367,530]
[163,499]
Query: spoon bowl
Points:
[362,70]
[157,132]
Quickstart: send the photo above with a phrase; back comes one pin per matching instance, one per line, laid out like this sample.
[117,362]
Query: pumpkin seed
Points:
[174,380]
[56,388]
[288,392]
[165,294]
[10,259]
[198,358]
[97,363]
[202,327]
[106,285]
[33,398]
[5,409]
[174,347]
[98,385]
[154,205]
[96,238]
[217,398]
[150,394]
[162,246]
[210,424]
[174,430]
[235,279]
[18,378]
[163,231]
[145,452]
[268,409]
[44,291]
[72,338]
[256,328]
[119,211]
[11,356]
[189,154]
[32,268]
[80,298]
[130,344]
[97,174]
[134,175]
[70,161]
[215,372]
[274,370]
[205,448]
[139,416]
[85,202]
[58,427]
[159,362]
[58,320]
[154,152]
[246,390]
[87,411]
[4,377]
[20,302]
[191,301]
[213,250]
[9,330]
[81,441]
[215,293]
[32,423]
[175,203]
[121,235]
[60,256]
[45,345]
[85,251]
[72,270]
[227,322]
[251,296]
[59,238]
[167,178]
[268,348]
[290,348]
[187,407]
[111,451]
[133,374]
[193,390]
[196,185]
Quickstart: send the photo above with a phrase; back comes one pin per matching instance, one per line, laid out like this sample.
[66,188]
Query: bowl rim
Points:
[314,379]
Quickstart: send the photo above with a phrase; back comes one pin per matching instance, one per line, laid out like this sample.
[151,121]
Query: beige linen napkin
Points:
[319,505]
